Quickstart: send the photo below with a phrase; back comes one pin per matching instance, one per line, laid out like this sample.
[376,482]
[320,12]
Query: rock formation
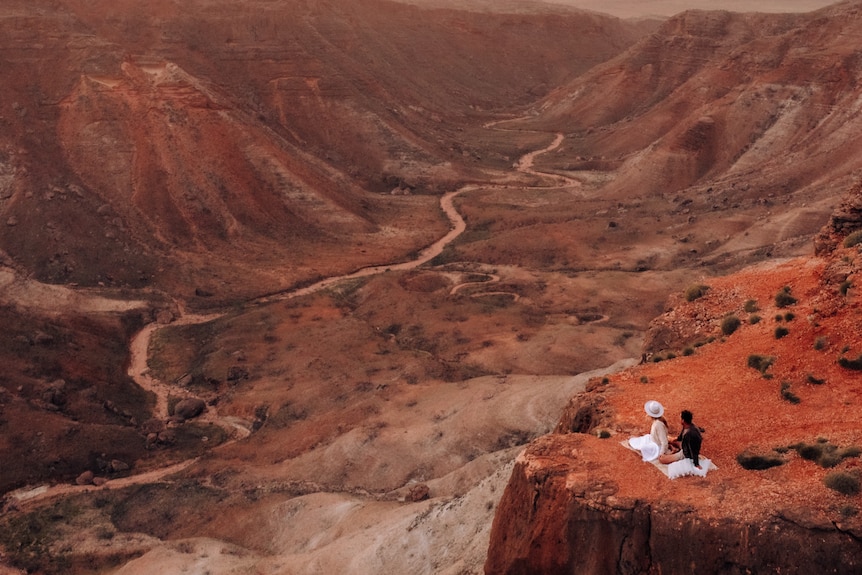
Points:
[579,502]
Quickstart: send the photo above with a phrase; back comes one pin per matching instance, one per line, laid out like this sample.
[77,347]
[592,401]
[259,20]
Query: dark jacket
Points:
[690,439]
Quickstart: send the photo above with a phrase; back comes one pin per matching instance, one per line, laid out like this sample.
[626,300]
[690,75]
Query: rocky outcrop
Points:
[559,516]
[846,219]
[579,501]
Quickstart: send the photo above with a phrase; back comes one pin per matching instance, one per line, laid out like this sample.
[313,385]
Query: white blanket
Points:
[673,470]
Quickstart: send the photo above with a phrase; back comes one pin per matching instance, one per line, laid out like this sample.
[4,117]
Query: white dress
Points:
[653,444]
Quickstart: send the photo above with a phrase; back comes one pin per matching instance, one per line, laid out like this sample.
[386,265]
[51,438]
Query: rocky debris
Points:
[189,408]
[164,317]
[846,219]
[419,492]
[115,409]
[85,478]
[237,373]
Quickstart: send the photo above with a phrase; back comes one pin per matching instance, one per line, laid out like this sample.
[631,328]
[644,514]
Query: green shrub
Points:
[825,454]
[760,362]
[729,324]
[781,332]
[853,239]
[843,482]
[854,364]
[779,318]
[851,451]
[754,319]
[789,316]
[787,394]
[688,351]
[604,434]
[696,291]
[751,306]
[783,297]
[816,381]
[755,462]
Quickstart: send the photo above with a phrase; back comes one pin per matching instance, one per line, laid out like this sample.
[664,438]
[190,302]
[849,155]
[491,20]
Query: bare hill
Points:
[565,171]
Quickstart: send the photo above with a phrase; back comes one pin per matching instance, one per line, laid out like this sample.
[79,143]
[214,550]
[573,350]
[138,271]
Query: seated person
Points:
[656,443]
[688,442]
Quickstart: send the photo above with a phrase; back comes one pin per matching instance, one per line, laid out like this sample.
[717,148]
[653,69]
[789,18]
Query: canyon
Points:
[380,287]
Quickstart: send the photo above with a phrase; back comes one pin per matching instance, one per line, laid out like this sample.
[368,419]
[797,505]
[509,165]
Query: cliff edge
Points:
[769,360]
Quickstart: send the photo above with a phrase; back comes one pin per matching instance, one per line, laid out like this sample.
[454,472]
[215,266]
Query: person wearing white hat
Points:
[655,444]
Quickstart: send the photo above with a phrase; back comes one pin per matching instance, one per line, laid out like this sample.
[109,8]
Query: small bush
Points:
[820,343]
[789,316]
[824,453]
[843,482]
[729,324]
[644,379]
[760,362]
[696,291]
[688,351]
[781,332]
[845,285]
[853,239]
[755,462]
[604,434]
[783,297]
[851,451]
[779,318]
[751,306]
[854,364]
[787,394]
[755,319]
[816,381]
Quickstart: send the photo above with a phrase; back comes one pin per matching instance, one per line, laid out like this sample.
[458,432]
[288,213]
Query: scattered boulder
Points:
[189,408]
[418,492]
[86,478]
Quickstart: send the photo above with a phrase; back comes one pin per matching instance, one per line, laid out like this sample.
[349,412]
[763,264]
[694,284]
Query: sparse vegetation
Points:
[853,239]
[854,364]
[789,316]
[757,462]
[644,379]
[696,291]
[781,332]
[824,453]
[816,381]
[846,483]
[760,362]
[751,306]
[688,351]
[787,394]
[845,285]
[730,324]
[820,343]
[783,297]
[755,319]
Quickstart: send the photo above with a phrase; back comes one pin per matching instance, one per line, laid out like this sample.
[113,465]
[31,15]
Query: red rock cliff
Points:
[779,397]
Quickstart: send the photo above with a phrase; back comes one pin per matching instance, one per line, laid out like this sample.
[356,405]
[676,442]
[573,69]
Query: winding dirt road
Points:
[237,429]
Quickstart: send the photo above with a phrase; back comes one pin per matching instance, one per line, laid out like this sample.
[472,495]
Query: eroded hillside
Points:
[221,157]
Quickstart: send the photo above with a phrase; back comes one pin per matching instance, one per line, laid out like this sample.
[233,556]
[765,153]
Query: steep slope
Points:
[247,146]
[779,399]
[720,118]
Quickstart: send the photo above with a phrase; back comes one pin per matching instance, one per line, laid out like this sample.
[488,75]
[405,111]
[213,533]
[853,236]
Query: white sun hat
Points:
[654,408]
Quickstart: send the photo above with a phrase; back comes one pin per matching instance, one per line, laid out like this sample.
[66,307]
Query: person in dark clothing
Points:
[688,442]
